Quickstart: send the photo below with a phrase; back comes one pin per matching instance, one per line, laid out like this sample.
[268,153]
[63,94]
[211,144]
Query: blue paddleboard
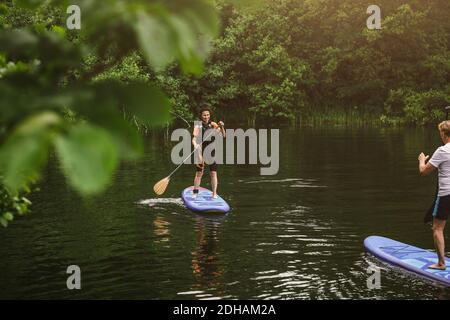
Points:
[204,202]
[411,258]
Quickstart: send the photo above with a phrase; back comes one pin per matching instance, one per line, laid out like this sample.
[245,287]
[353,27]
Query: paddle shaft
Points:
[179,166]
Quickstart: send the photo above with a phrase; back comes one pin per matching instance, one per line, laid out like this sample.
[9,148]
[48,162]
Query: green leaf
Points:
[188,44]
[24,153]
[204,16]
[21,208]
[148,103]
[3,222]
[126,136]
[21,159]
[8,216]
[39,122]
[25,200]
[155,39]
[88,156]
[18,41]
[3,9]
[59,30]
[165,36]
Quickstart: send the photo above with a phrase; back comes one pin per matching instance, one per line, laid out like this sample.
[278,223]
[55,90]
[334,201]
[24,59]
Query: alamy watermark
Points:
[374,21]
[232,150]
[374,279]
[73,22]
[74,280]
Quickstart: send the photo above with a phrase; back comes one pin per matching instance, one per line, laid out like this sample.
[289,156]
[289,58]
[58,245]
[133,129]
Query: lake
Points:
[296,235]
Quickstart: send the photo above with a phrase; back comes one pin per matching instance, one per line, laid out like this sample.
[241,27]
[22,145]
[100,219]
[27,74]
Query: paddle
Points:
[160,187]
[429,214]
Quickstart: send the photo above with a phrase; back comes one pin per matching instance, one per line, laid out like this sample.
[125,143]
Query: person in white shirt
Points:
[440,161]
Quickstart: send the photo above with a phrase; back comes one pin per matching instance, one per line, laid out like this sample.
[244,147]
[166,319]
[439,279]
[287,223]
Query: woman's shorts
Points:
[200,167]
[441,208]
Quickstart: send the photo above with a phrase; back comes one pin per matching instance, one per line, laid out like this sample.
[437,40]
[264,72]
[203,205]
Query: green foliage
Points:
[69,89]
[166,37]
[131,68]
[89,157]
[11,205]
[411,107]
[24,153]
[283,61]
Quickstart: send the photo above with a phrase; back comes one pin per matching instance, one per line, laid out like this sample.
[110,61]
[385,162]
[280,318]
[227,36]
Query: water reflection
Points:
[161,229]
[207,266]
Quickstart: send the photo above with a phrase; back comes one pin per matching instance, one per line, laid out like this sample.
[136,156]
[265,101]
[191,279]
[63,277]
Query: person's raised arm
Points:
[222,128]
[425,168]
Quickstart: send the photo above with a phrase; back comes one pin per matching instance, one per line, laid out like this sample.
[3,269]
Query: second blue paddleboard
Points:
[411,258]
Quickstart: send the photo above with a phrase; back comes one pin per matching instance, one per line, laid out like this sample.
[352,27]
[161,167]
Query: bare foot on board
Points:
[437,266]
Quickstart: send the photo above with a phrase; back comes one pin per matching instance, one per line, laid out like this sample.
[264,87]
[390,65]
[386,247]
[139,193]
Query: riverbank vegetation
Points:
[303,62]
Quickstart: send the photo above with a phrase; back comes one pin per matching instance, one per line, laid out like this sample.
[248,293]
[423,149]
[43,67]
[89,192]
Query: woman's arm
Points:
[425,169]
[195,134]
[222,129]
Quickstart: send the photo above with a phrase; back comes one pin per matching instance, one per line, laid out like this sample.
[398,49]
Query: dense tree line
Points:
[294,61]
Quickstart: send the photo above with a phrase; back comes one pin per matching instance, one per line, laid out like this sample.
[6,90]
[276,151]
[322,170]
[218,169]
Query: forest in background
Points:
[293,62]
[315,62]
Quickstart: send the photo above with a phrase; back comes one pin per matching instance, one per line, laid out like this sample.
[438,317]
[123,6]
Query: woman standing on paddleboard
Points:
[199,131]
[441,210]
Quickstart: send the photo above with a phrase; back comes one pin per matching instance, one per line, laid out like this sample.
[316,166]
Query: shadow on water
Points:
[207,267]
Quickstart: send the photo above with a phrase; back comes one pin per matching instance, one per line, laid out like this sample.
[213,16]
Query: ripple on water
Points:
[161,201]
[302,239]
[289,182]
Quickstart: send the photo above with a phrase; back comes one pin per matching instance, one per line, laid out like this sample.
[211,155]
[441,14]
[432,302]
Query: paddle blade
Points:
[161,186]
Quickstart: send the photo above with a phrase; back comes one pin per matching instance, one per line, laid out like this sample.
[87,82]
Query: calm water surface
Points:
[296,235]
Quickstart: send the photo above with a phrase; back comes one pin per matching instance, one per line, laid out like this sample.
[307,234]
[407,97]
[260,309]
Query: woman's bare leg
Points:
[197,180]
[439,243]
[214,183]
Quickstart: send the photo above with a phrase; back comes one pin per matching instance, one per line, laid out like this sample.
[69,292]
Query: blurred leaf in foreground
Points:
[89,157]
[24,153]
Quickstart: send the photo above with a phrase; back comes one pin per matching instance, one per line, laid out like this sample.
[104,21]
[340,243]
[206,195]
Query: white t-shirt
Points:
[441,161]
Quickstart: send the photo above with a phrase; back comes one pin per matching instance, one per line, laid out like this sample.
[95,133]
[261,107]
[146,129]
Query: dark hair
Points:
[203,109]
